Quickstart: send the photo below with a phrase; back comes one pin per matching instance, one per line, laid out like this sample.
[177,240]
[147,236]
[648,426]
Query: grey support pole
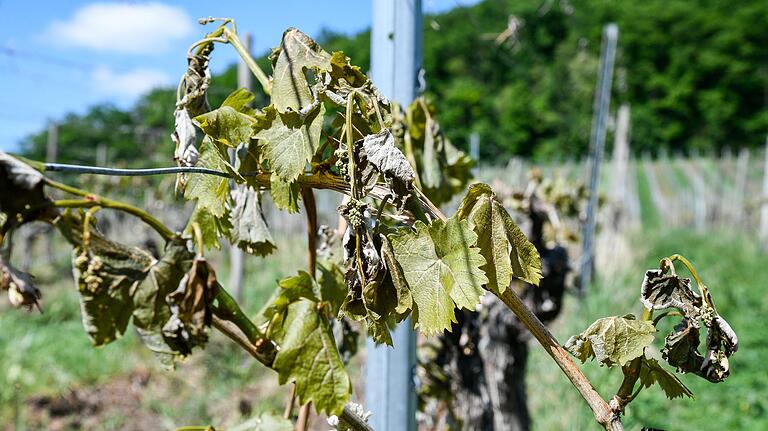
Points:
[396,39]
[474,152]
[596,144]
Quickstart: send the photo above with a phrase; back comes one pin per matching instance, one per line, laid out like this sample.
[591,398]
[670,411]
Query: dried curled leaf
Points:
[652,372]
[190,306]
[380,150]
[442,170]
[196,80]
[681,347]
[21,290]
[249,227]
[721,344]
[662,290]
[612,340]
[21,186]
[152,311]
[184,137]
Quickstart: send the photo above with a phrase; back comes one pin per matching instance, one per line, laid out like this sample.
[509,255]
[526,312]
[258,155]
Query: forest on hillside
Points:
[521,74]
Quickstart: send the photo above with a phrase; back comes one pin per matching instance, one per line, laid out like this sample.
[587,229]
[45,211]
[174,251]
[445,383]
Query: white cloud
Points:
[133,83]
[122,27]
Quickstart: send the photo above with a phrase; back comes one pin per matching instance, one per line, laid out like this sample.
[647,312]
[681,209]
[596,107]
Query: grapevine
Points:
[326,127]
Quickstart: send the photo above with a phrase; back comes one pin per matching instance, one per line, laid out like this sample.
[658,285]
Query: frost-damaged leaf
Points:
[196,81]
[308,356]
[652,372]
[107,275]
[21,290]
[184,137]
[290,140]
[502,243]
[190,306]
[381,151]
[442,268]
[284,194]
[721,344]
[227,126]
[21,186]
[209,190]
[194,102]
[661,291]
[612,340]
[249,227]
[395,277]
[681,347]
[152,311]
[298,52]
[431,172]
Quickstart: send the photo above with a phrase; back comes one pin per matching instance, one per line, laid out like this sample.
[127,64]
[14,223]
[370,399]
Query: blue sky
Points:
[63,56]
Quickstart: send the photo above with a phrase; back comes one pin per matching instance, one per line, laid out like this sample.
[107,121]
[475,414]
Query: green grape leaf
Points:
[209,190]
[152,311]
[211,227]
[332,286]
[442,268]
[249,227]
[309,357]
[290,89]
[506,250]
[612,340]
[284,194]
[239,100]
[289,140]
[289,290]
[227,126]
[107,275]
[652,372]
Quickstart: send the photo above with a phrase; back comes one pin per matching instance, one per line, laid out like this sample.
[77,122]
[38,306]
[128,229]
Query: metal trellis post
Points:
[596,143]
[396,40]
